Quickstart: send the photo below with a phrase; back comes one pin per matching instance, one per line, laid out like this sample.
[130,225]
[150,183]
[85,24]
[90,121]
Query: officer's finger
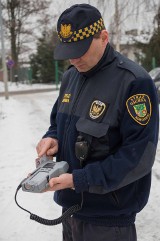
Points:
[43,149]
[29,174]
[52,150]
[39,146]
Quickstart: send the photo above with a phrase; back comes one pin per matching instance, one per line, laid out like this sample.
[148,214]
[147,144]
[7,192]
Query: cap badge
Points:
[97,109]
[139,108]
[66,31]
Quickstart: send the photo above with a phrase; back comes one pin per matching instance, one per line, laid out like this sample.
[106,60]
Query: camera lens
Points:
[28,186]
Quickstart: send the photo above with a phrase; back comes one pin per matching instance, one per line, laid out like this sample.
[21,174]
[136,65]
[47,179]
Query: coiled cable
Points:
[69,212]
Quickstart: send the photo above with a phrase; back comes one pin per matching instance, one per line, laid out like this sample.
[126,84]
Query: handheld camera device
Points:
[39,178]
[38,181]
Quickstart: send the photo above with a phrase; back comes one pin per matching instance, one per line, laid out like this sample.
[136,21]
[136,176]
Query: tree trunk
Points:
[117,26]
[14,52]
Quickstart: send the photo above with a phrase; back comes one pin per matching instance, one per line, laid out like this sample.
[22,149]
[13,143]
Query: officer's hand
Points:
[48,146]
[62,182]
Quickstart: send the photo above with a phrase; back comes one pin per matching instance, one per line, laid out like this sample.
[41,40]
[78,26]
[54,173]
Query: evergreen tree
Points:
[43,63]
[152,49]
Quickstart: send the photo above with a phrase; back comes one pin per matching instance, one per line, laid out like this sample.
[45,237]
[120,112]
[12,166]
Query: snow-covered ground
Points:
[23,120]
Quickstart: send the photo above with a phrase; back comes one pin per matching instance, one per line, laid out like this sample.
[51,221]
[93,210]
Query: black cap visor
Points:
[72,50]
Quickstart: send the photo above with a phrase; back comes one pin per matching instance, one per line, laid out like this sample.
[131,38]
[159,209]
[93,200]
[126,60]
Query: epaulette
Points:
[135,69]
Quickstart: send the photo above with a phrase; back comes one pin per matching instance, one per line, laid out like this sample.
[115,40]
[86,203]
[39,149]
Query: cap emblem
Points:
[66,31]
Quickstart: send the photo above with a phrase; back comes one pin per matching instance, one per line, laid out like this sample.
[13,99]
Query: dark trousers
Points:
[77,230]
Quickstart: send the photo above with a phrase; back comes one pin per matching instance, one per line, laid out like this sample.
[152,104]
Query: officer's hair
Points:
[97,35]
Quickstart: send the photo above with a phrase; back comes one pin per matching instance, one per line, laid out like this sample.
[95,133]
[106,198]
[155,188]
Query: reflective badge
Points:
[139,108]
[66,31]
[66,98]
[97,109]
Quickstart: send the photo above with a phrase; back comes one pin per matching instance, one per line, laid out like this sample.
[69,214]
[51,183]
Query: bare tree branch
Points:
[17,16]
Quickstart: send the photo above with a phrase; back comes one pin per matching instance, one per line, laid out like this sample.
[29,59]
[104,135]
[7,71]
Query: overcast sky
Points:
[144,21]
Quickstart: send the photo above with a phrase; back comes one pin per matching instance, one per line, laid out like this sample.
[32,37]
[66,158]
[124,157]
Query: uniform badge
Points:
[66,31]
[97,109]
[139,108]
[66,98]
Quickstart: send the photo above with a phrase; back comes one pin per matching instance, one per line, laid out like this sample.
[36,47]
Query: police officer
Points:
[105,125]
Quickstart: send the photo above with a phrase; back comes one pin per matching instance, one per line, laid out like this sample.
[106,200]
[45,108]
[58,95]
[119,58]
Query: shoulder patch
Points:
[139,107]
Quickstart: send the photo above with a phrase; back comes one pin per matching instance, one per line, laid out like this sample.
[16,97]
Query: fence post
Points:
[30,75]
[153,62]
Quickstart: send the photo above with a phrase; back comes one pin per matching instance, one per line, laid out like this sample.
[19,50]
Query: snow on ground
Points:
[23,120]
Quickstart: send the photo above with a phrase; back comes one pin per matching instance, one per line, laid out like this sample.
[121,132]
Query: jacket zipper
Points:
[69,121]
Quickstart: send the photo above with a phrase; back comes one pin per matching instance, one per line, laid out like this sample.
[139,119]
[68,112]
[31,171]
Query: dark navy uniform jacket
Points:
[114,107]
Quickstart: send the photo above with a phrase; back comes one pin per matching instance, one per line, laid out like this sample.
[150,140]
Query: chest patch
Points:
[66,98]
[139,108]
[97,109]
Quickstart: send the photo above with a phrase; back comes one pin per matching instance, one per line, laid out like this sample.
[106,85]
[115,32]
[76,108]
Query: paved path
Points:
[31,91]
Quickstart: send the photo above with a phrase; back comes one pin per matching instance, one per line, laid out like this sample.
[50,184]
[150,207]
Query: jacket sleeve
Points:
[135,156]
[52,131]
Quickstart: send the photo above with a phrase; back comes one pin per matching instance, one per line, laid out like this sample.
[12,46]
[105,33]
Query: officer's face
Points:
[93,55]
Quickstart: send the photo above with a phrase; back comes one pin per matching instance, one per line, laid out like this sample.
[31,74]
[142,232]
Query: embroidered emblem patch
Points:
[66,31]
[97,109]
[66,98]
[139,108]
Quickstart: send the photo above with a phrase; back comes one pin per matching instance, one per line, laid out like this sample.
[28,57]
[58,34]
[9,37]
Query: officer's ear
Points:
[104,36]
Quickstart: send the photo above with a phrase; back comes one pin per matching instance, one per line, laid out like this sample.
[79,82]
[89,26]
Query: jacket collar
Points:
[107,58]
